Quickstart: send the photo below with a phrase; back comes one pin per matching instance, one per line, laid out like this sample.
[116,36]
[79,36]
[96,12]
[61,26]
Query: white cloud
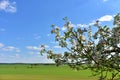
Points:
[31,52]
[106,18]
[17,55]
[37,59]
[18,58]
[54,42]
[8,6]
[18,50]
[1,45]
[10,48]
[36,48]
[46,46]
[14,56]
[57,47]
[34,52]
[102,19]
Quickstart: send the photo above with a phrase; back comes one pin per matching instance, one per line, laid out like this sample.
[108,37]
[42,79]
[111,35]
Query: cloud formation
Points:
[58,47]
[36,48]
[106,18]
[8,48]
[14,56]
[53,42]
[7,6]
[11,48]
[1,45]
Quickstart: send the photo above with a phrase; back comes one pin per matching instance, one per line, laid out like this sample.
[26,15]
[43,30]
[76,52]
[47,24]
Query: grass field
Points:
[42,72]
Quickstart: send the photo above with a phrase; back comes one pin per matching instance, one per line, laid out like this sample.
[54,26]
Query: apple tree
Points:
[95,47]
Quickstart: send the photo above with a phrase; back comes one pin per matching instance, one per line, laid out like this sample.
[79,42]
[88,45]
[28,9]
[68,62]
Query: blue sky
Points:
[25,24]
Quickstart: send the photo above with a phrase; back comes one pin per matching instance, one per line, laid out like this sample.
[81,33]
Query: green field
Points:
[42,72]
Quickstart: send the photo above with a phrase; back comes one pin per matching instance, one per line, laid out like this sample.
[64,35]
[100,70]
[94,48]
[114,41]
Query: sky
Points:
[25,24]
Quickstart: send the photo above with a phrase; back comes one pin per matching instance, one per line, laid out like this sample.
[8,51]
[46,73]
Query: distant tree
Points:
[97,50]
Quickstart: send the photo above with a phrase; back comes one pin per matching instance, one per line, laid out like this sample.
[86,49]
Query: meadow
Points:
[41,72]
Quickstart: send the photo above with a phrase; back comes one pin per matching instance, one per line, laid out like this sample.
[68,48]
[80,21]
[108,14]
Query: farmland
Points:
[41,72]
